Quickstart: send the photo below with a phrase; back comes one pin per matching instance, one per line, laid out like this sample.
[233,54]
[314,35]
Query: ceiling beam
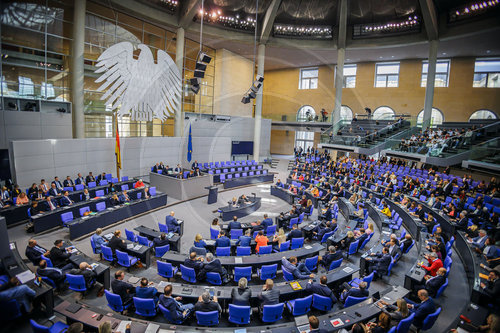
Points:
[188,12]
[430,18]
[267,24]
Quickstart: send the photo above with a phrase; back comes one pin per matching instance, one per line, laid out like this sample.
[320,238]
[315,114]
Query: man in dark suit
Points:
[437,204]
[34,252]
[65,200]
[462,221]
[360,291]
[394,249]
[298,270]
[49,204]
[405,244]
[319,231]
[161,241]
[362,237]
[88,274]
[211,266]
[124,289]
[207,304]
[90,178]
[144,290]
[178,311]
[55,274]
[257,227]
[101,177]
[245,240]
[59,256]
[172,223]
[321,288]
[223,240]
[268,295]
[156,168]
[68,182]
[54,191]
[57,183]
[422,310]
[314,325]
[80,180]
[194,262]
[379,262]
[432,284]
[234,224]
[326,197]
[194,165]
[116,243]
[448,187]
[331,256]
[430,222]
[295,233]
[492,287]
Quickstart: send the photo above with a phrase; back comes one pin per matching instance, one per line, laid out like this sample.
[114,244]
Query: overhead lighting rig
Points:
[302,31]
[410,24]
[199,71]
[472,9]
[254,88]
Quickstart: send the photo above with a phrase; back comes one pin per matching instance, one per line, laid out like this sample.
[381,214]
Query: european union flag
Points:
[190,145]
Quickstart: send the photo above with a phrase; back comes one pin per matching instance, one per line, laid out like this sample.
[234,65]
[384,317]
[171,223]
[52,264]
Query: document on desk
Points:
[137,247]
[308,247]
[162,330]
[25,276]
[238,260]
[348,269]
[123,326]
[130,246]
[152,328]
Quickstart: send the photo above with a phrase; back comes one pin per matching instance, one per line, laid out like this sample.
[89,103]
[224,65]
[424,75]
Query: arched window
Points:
[483,114]
[305,139]
[345,113]
[383,113]
[306,113]
[437,118]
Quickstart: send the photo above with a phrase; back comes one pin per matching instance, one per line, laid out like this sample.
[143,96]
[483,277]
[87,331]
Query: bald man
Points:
[172,224]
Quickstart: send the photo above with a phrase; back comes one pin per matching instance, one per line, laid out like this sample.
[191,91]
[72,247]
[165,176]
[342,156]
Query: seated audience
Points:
[298,270]
[261,240]
[34,252]
[206,303]
[194,262]
[222,240]
[88,274]
[199,242]
[321,288]
[434,264]
[211,265]
[162,241]
[59,256]
[423,309]
[172,224]
[125,290]
[245,240]
[178,311]
[241,295]
[98,240]
[13,289]
[268,295]
[53,273]
[145,291]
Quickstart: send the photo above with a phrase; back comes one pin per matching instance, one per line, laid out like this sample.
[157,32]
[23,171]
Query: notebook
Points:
[295,285]
[73,308]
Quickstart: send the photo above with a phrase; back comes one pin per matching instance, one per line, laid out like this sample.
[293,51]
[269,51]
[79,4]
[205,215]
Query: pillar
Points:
[429,88]
[339,73]
[261,54]
[77,77]
[179,61]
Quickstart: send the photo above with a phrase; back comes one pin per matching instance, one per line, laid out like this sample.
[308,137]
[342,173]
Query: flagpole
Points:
[116,131]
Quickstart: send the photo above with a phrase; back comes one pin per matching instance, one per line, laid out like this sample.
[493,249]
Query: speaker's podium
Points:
[212,194]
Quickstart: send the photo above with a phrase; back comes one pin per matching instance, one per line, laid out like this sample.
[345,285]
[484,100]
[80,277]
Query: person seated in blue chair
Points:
[123,197]
[258,227]
[206,303]
[55,274]
[245,240]
[279,183]
[321,288]
[145,291]
[178,311]
[295,233]
[88,275]
[298,270]
[223,240]
[332,255]
[99,241]
[125,290]
[267,221]
[319,231]
[314,325]
[34,252]
[161,241]
[360,291]
[422,310]
[234,224]
[172,224]
[379,262]
[13,289]
[68,182]
[199,242]
[54,191]
[194,262]
[212,265]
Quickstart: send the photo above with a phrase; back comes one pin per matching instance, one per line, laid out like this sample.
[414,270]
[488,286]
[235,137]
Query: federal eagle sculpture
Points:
[139,87]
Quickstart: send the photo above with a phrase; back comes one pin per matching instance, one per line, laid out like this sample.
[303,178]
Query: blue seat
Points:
[207,318]
[107,253]
[297,243]
[322,303]
[285,246]
[79,187]
[214,278]
[115,302]
[214,233]
[287,275]
[76,282]
[168,316]
[66,217]
[99,193]
[351,300]
[114,180]
[447,262]
[405,324]
[441,289]
[335,264]
[83,210]
[365,241]
[240,272]
[124,259]
[243,251]
[145,307]
[223,251]
[299,306]
[68,188]
[409,247]
[144,241]
[188,274]
[165,269]
[124,178]
[91,184]
[326,236]
[125,187]
[312,263]
[368,279]
[49,262]
[310,212]
[353,248]
[152,191]
[265,249]
[236,233]
[272,313]
[267,271]
[100,206]
[239,314]
[57,327]
[293,221]
[130,235]
[9,310]
[103,182]
[161,250]
[271,230]
[49,281]
[430,320]
[163,227]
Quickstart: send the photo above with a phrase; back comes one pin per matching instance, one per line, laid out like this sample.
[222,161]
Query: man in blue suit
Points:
[267,222]
[360,291]
[143,291]
[319,231]
[223,240]
[178,311]
[54,191]
[379,262]
[299,271]
[321,288]
[65,200]
[479,241]
[295,233]
[172,224]
[245,239]
[422,310]
[234,224]
[57,183]
[331,256]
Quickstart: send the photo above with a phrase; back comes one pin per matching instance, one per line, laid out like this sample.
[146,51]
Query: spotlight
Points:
[254,88]
[199,73]
[245,99]
[252,94]
[203,57]
[201,66]
[195,84]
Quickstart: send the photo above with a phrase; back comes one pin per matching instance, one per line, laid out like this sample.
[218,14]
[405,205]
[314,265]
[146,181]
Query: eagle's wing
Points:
[164,94]
[118,65]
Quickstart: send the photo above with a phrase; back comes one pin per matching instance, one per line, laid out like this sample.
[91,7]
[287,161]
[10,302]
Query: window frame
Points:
[426,62]
[301,78]
[419,124]
[491,111]
[386,76]
[344,81]
[385,107]
[484,73]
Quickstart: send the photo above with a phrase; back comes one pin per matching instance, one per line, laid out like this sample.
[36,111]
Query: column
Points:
[77,76]
[261,54]
[179,60]
[429,88]
[339,73]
